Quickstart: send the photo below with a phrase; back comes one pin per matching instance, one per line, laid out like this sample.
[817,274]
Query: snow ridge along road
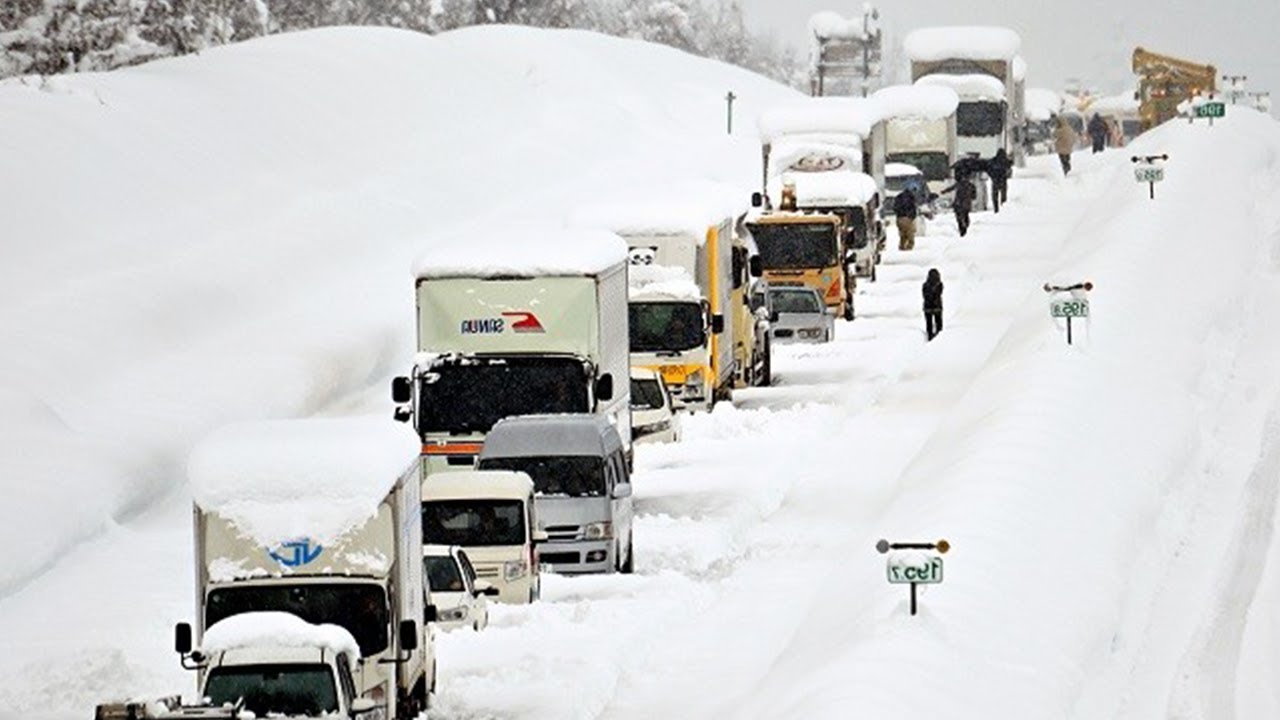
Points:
[1091,492]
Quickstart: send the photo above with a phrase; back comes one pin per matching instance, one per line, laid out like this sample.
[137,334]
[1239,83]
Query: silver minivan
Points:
[582,487]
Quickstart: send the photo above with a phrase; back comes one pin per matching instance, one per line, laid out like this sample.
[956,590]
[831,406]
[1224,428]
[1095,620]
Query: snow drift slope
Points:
[228,236]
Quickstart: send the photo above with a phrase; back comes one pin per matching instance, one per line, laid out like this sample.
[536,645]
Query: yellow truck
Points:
[1165,82]
[803,248]
[752,353]
[680,300]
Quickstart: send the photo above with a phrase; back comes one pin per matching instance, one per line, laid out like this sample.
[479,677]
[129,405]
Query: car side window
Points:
[344,678]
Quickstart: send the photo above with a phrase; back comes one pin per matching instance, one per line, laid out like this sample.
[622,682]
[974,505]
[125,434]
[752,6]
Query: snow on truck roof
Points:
[521,251]
[896,169]
[931,102]
[832,25]
[827,189]
[477,485]
[962,43]
[1042,103]
[661,282]
[684,219]
[968,87]
[276,630]
[317,478]
[821,115]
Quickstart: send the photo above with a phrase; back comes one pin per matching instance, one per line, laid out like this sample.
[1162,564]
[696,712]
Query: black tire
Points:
[629,566]
[766,371]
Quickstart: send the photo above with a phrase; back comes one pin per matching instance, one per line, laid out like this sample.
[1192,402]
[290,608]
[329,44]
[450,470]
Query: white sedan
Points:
[652,417]
[460,599]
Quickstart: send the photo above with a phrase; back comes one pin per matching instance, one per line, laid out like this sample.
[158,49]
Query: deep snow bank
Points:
[228,236]
[1067,476]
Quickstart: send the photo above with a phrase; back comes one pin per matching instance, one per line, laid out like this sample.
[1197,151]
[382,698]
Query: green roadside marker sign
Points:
[1211,110]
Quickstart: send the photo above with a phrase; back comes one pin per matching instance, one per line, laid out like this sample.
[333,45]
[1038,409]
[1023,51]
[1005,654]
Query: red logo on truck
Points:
[524,322]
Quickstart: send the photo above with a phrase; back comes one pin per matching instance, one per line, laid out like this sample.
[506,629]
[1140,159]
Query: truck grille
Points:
[563,532]
[487,571]
[560,558]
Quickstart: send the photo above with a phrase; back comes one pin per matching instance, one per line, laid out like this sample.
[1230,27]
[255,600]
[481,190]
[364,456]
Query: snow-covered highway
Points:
[246,254]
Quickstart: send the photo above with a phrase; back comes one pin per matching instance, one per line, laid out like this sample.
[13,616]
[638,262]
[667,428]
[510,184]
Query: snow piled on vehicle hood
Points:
[276,629]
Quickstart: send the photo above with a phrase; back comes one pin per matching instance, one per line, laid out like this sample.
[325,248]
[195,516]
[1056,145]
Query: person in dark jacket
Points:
[932,291]
[963,202]
[999,167]
[905,211]
[1098,132]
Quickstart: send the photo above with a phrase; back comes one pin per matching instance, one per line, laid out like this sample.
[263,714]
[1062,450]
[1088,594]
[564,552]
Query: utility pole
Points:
[729,110]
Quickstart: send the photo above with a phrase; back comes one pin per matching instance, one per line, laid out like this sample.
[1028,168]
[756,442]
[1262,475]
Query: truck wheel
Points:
[630,565]
[766,372]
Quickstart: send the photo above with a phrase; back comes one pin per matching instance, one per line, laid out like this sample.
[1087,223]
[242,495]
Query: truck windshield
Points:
[574,476]
[979,119]
[796,246]
[274,690]
[361,608]
[472,395]
[472,523]
[665,326]
[934,165]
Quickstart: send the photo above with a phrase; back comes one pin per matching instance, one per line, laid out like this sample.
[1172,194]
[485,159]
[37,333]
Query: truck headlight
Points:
[598,531]
[514,569]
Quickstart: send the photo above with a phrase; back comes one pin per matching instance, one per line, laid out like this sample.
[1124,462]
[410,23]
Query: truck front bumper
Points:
[576,557]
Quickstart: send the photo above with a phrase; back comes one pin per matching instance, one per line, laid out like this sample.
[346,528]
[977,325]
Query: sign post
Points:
[729,110]
[1147,171]
[919,567]
[1212,109]
[1072,305]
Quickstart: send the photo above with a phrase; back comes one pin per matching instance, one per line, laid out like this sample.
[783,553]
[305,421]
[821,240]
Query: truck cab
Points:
[273,664]
[805,249]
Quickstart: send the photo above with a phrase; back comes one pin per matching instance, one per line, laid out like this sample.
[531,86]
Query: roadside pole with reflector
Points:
[1072,305]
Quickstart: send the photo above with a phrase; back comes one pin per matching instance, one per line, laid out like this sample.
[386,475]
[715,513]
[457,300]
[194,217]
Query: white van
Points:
[583,488]
[490,514]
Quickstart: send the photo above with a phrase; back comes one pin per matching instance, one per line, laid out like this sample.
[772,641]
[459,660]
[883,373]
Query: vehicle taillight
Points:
[833,291]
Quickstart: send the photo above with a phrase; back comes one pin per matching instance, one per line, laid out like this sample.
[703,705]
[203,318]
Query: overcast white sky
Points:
[1087,39]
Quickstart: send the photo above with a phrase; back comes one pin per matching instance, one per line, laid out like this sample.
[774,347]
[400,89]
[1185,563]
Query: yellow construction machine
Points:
[1166,82]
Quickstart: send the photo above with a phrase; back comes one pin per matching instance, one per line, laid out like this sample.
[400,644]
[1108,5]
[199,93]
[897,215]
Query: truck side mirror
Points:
[773,316]
[431,614]
[757,200]
[717,324]
[401,390]
[756,265]
[182,638]
[604,387]
[409,634]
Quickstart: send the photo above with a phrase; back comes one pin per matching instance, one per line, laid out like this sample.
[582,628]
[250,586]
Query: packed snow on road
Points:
[231,237]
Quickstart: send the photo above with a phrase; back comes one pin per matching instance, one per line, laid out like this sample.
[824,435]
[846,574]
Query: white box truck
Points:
[920,130]
[982,66]
[516,322]
[320,519]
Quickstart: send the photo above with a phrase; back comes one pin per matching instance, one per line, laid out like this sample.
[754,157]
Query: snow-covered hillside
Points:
[229,236]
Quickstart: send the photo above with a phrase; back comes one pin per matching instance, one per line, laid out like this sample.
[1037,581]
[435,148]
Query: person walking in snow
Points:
[1098,132]
[999,167]
[962,204]
[932,291]
[905,212]
[1064,143]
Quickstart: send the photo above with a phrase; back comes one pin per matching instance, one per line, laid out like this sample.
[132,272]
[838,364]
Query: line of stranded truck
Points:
[687,283]
[318,519]
[982,66]
[519,322]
